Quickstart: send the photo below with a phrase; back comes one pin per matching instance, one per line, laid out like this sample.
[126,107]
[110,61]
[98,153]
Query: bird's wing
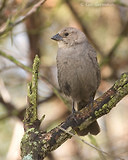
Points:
[87,70]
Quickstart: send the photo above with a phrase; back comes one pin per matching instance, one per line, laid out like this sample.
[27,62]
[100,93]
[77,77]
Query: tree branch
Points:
[118,42]
[28,69]
[10,25]
[12,59]
[31,110]
[43,143]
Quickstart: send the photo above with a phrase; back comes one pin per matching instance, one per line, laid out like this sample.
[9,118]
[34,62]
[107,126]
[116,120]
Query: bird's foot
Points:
[74,112]
[91,102]
[73,108]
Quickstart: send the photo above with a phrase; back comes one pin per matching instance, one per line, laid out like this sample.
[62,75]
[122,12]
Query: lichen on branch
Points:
[31,111]
[30,145]
[36,144]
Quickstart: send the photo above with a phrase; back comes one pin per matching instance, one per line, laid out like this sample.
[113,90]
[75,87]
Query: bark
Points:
[36,145]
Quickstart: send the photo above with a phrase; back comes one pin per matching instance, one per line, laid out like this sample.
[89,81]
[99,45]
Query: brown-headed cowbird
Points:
[78,71]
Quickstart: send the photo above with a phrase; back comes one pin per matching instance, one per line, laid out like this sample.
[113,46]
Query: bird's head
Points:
[68,37]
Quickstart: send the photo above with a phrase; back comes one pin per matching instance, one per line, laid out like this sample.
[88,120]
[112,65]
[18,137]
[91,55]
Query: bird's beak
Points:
[57,37]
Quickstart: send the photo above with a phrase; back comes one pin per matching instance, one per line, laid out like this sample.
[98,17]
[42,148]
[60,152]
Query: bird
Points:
[78,71]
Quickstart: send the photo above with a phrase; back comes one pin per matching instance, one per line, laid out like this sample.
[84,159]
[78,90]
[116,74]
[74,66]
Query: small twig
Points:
[11,25]
[30,12]
[12,59]
[91,145]
[28,69]
[94,142]
[121,37]
[119,40]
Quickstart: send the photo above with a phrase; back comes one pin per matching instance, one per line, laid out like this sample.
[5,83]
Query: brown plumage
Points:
[78,70]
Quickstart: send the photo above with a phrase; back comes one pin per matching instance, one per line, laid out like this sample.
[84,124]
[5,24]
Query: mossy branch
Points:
[43,143]
[30,118]
[31,121]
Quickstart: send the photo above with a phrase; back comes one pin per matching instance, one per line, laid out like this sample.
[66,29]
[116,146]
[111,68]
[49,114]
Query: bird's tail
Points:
[93,128]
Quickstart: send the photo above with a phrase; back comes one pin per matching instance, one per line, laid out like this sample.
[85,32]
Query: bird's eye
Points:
[66,34]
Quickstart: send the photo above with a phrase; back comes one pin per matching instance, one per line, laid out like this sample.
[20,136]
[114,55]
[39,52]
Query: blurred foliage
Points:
[22,36]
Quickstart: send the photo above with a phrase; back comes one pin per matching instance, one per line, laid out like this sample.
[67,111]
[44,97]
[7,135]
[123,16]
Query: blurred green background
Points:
[105,23]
